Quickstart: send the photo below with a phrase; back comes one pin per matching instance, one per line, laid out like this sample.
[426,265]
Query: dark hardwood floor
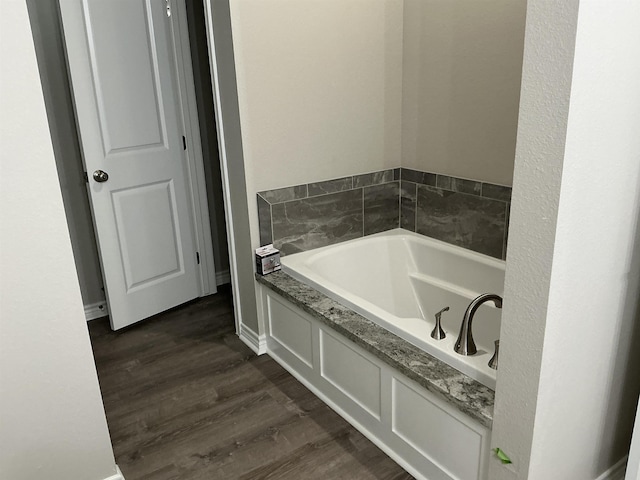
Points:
[186,399]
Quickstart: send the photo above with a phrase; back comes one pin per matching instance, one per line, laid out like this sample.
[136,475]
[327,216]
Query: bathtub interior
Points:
[455,265]
[433,296]
[400,280]
[365,273]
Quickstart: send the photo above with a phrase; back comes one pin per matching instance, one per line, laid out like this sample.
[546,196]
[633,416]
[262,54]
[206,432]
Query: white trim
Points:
[616,472]
[257,343]
[193,153]
[223,277]
[96,310]
[118,475]
[224,167]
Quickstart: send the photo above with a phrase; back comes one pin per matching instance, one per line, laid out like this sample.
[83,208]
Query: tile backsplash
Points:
[308,216]
[463,212]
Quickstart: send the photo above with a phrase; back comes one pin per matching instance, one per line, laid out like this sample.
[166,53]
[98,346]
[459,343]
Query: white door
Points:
[120,60]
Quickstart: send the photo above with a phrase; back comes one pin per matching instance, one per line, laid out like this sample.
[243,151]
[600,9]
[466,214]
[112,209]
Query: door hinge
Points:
[184,143]
[198,257]
[86,177]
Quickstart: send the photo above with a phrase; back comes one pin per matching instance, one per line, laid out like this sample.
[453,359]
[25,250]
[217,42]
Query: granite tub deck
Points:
[457,389]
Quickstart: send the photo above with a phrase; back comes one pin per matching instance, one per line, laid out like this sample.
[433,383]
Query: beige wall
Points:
[461,85]
[319,89]
[53,422]
[329,88]
[319,84]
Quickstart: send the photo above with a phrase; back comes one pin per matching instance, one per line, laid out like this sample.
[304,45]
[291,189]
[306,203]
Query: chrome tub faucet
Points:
[465,344]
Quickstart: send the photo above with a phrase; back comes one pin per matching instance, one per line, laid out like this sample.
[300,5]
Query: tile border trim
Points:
[451,183]
[326,187]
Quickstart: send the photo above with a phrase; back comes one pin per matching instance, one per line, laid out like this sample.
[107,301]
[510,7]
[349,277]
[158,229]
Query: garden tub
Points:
[400,280]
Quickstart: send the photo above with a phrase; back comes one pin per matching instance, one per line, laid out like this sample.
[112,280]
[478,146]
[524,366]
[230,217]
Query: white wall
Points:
[633,465]
[595,282]
[53,422]
[462,61]
[568,380]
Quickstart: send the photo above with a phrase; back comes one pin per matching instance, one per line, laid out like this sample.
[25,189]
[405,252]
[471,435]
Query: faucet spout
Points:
[465,344]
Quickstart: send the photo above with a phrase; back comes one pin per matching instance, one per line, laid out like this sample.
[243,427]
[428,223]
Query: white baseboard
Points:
[257,343]
[616,472]
[223,277]
[117,476]
[100,309]
[96,310]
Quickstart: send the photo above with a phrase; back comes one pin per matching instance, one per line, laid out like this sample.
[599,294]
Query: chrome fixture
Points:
[438,332]
[465,344]
[100,176]
[493,363]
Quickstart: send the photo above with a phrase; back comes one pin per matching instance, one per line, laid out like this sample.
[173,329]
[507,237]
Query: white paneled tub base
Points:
[424,434]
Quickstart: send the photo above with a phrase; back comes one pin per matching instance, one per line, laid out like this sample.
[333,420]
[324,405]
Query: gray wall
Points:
[208,133]
[241,249]
[49,43]
[48,39]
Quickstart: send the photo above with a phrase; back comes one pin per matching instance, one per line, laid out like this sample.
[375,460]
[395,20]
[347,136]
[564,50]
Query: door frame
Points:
[232,171]
[186,106]
[201,220]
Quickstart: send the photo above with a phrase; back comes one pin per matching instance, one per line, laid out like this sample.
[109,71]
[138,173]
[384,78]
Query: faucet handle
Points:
[437,332]
[493,363]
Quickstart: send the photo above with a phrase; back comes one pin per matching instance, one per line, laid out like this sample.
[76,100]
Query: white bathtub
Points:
[399,280]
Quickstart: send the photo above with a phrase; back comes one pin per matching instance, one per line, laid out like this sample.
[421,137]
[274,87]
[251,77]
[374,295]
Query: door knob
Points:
[100,176]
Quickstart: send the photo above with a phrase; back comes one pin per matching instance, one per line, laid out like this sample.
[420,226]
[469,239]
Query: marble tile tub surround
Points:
[467,213]
[464,212]
[459,390]
[303,217]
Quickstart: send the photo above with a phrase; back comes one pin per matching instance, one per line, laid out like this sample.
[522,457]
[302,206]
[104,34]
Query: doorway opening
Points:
[47,26]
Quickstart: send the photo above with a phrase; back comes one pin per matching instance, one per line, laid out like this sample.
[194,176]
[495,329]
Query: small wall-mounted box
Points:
[267,259]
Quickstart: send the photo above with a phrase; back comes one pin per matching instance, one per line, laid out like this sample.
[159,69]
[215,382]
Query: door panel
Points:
[149,234]
[129,96]
[125,92]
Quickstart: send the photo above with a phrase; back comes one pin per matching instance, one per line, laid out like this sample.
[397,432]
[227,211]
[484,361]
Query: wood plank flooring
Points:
[186,399]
